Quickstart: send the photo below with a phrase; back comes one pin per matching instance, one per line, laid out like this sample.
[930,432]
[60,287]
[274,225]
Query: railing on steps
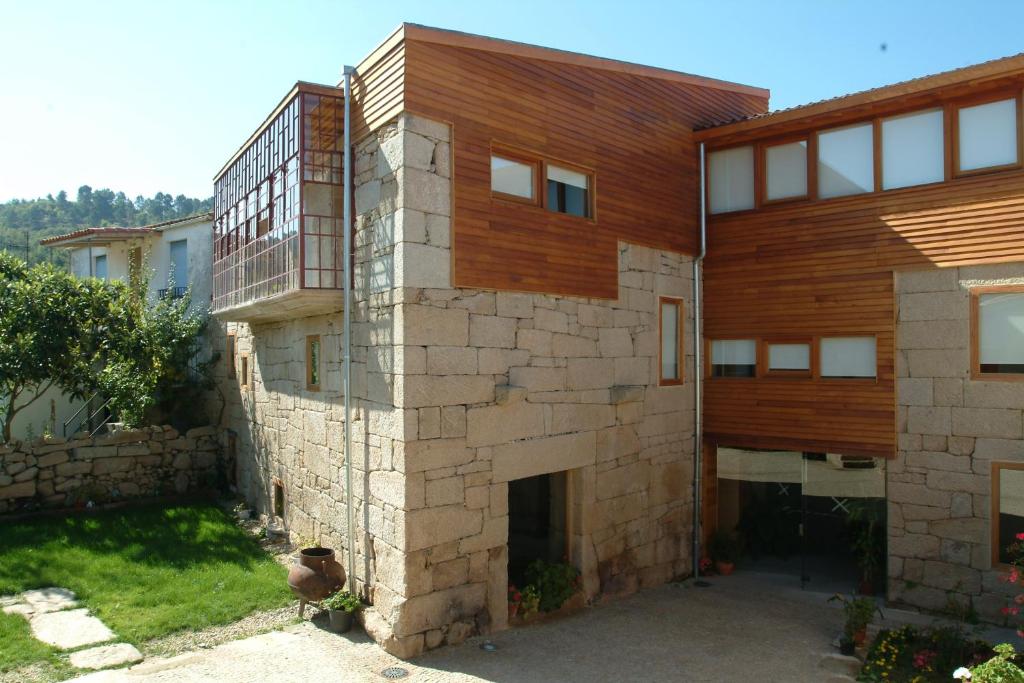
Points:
[93,421]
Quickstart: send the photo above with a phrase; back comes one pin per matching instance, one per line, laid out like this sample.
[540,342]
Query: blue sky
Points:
[155,96]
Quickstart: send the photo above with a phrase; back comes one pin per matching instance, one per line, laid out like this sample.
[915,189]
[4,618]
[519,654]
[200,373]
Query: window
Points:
[671,341]
[1007,508]
[313,362]
[846,161]
[987,135]
[100,267]
[733,358]
[997,332]
[848,357]
[786,171]
[913,151]
[229,352]
[568,191]
[278,497]
[731,179]
[177,269]
[513,178]
[244,363]
[788,358]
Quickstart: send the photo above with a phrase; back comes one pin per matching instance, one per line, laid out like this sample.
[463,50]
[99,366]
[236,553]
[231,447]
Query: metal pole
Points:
[347,326]
[698,370]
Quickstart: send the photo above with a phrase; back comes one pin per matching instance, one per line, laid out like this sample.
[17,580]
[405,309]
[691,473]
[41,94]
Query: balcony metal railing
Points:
[172,292]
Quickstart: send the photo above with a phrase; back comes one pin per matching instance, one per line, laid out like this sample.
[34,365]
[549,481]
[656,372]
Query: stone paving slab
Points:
[45,600]
[70,629]
[105,656]
[21,608]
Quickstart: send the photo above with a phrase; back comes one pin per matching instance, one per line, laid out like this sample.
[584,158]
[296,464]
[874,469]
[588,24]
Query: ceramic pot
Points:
[316,575]
[725,568]
[341,621]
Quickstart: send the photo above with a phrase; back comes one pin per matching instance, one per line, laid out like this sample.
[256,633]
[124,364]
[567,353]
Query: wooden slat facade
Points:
[634,132]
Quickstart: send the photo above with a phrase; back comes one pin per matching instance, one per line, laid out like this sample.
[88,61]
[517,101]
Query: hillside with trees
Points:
[23,222]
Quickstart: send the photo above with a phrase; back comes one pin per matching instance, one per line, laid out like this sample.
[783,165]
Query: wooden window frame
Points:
[976,373]
[540,164]
[680,339]
[764,367]
[310,340]
[231,348]
[816,362]
[811,169]
[954,132]
[244,381]
[997,467]
[708,341]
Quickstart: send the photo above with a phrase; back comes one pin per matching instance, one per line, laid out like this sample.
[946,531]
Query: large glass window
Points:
[512,177]
[1007,508]
[913,151]
[846,161]
[568,191]
[733,358]
[999,328]
[848,357]
[987,135]
[671,341]
[789,358]
[731,179]
[786,170]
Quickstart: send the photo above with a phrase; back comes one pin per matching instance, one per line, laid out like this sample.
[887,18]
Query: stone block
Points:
[911,391]
[429,527]
[623,480]
[419,391]
[505,394]
[432,326]
[90,452]
[994,395]
[542,456]
[949,391]
[537,342]
[538,379]
[51,459]
[492,331]
[921,546]
[514,305]
[941,363]
[951,577]
[451,360]
[573,346]
[493,535]
[922,420]
[615,342]
[591,373]
[25,489]
[553,321]
[934,280]
[424,191]
[424,456]
[995,423]
[927,306]
[595,316]
[570,417]
[500,424]
[111,465]
[440,608]
[388,487]
[968,529]
[453,421]
[421,265]
[632,371]
[429,423]
[182,461]
[998,449]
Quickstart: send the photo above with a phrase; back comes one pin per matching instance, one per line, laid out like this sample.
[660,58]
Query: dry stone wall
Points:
[951,429]
[54,472]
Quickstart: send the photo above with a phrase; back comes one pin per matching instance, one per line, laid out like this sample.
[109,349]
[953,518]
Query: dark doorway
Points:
[536,522]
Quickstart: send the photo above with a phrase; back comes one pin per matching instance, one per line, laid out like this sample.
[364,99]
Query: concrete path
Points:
[735,630]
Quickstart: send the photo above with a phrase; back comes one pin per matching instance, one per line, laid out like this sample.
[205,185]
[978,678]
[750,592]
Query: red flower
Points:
[1020,536]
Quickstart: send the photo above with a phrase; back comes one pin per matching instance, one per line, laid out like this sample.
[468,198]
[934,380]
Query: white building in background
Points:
[173,255]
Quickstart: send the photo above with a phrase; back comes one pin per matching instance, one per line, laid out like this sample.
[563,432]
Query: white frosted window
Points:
[789,357]
[733,358]
[1001,332]
[988,135]
[846,161]
[731,179]
[786,170]
[670,341]
[512,177]
[913,150]
[848,357]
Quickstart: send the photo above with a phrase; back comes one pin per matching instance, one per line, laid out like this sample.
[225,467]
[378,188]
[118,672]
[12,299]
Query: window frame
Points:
[680,339]
[810,167]
[954,131]
[522,158]
[575,168]
[753,145]
[540,164]
[310,340]
[764,364]
[244,381]
[876,157]
[997,467]
[975,340]
[846,380]
[708,364]
[230,350]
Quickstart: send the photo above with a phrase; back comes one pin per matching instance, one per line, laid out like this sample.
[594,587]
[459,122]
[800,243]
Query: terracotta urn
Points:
[315,575]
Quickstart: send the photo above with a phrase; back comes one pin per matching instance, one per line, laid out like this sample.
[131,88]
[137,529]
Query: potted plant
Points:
[530,603]
[859,614]
[515,599]
[725,550]
[342,607]
[868,544]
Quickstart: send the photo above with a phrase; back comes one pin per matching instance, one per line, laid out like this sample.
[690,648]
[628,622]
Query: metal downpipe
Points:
[346,334]
[698,372]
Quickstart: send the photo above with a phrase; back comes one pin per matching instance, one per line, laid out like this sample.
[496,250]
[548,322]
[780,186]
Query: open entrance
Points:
[820,517]
[537,522]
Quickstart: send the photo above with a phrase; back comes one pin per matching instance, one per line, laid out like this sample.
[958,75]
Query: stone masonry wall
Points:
[951,429]
[496,386]
[54,472]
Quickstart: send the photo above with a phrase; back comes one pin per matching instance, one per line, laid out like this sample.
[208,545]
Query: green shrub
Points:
[555,581]
[344,601]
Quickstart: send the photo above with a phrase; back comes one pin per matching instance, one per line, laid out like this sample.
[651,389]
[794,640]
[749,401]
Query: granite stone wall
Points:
[951,429]
[54,472]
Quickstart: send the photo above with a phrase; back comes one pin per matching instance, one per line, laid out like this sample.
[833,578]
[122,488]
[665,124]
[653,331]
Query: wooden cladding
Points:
[632,132]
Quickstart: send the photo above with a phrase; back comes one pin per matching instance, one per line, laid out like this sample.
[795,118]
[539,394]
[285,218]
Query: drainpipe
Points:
[698,372]
[346,335]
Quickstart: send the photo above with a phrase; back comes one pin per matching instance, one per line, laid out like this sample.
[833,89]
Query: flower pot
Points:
[513,609]
[860,636]
[341,621]
[315,575]
[725,568]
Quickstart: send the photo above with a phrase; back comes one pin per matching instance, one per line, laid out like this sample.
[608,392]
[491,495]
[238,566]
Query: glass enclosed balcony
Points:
[278,214]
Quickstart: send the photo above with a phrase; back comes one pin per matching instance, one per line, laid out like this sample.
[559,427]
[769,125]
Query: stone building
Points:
[525,225]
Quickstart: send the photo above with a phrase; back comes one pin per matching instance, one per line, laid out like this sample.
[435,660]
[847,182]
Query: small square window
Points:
[846,161]
[734,358]
[513,178]
[1007,509]
[913,150]
[313,362]
[987,135]
[998,330]
[848,357]
[786,171]
[671,341]
[568,191]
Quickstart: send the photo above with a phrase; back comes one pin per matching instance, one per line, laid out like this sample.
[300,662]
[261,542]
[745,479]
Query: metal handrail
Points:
[105,420]
[77,412]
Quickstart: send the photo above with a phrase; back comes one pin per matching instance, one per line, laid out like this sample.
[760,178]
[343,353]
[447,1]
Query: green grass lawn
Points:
[145,571]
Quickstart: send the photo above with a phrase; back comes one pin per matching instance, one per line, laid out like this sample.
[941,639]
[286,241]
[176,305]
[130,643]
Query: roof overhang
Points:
[95,237]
